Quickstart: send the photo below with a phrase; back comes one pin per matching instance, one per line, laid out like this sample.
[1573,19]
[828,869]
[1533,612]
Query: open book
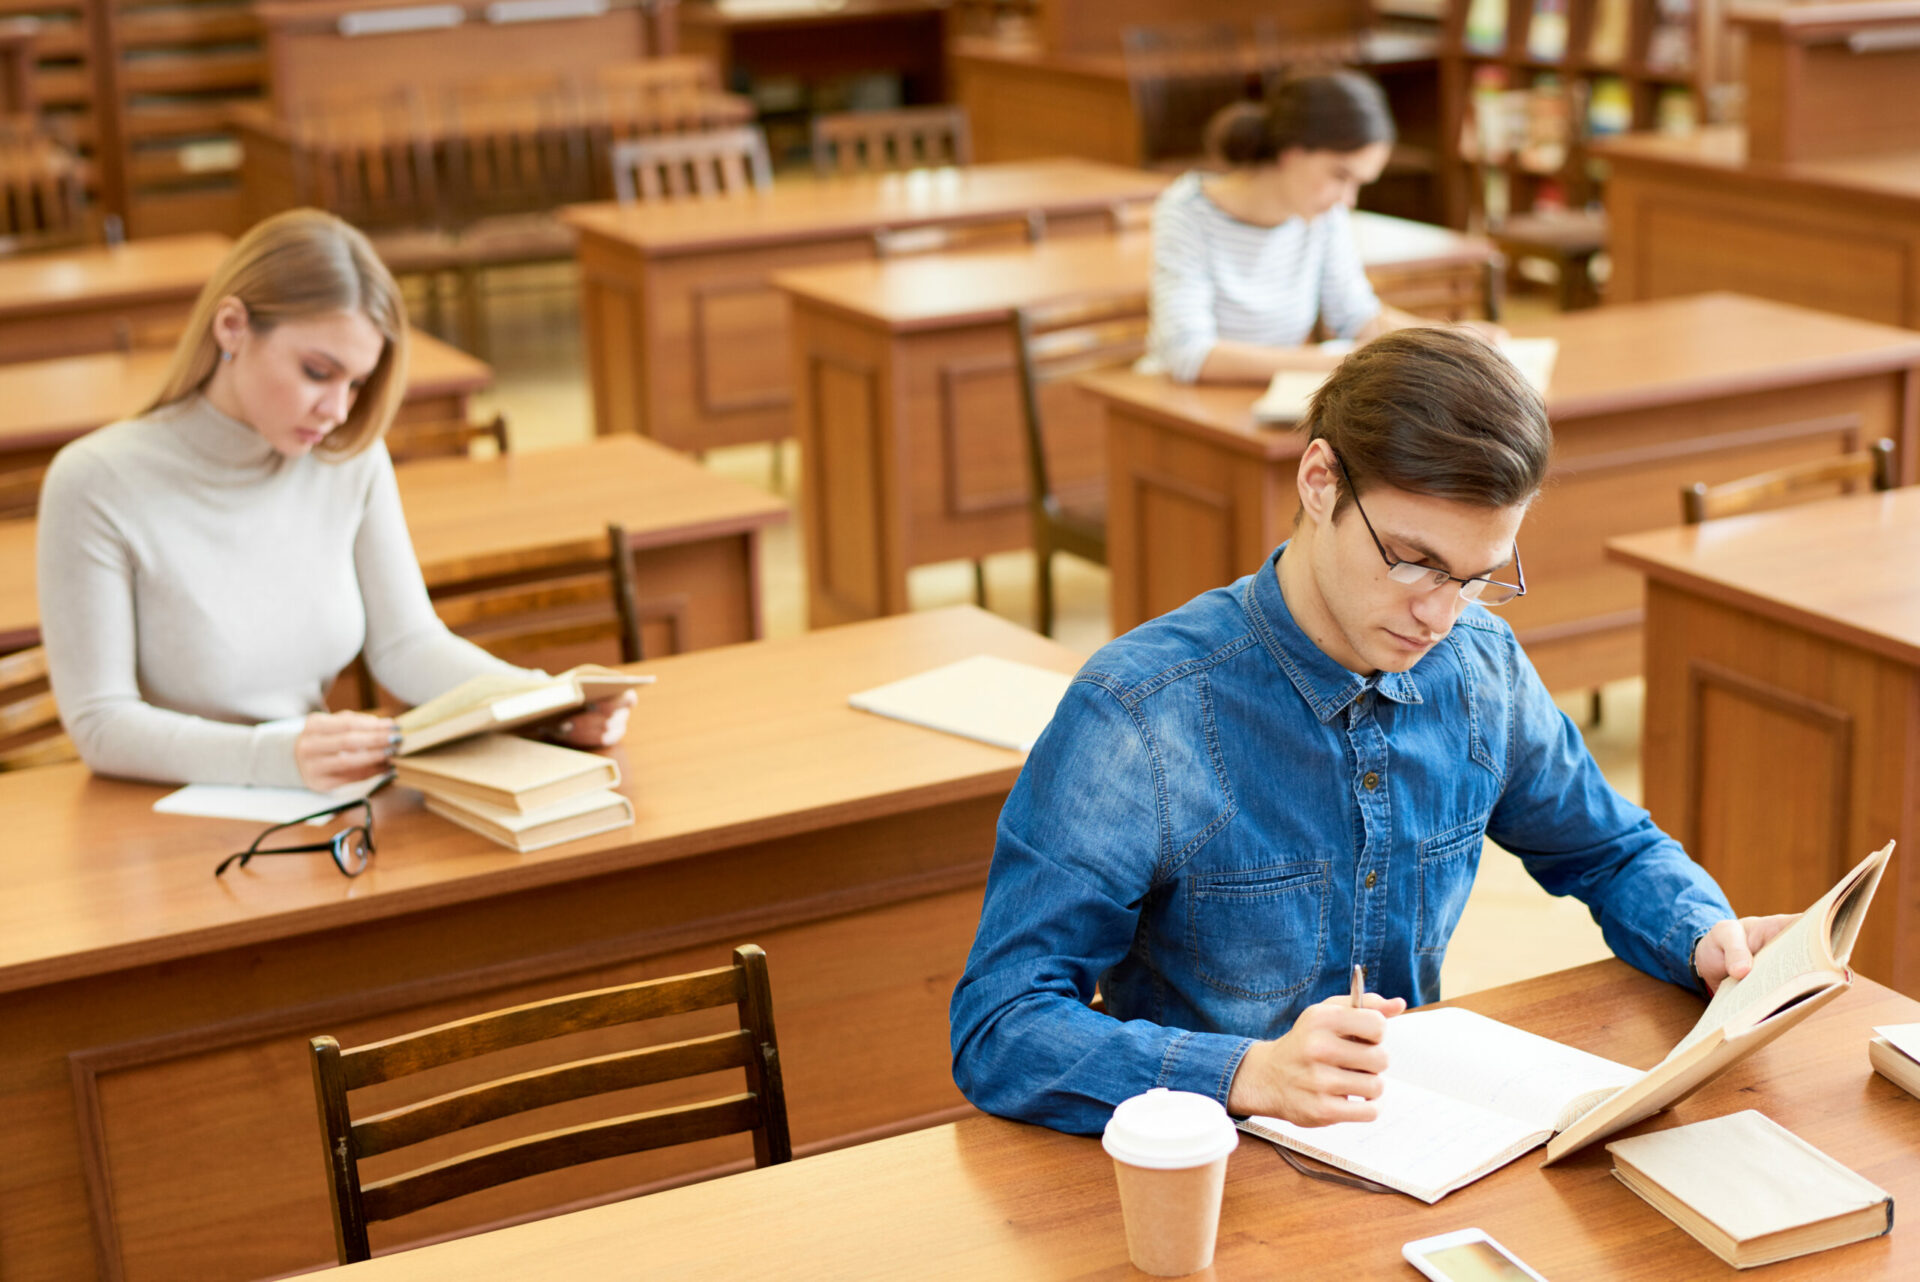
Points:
[997,701]
[502,700]
[1291,391]
[1465,1095]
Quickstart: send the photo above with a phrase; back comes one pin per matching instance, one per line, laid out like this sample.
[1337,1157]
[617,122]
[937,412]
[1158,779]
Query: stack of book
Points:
[519,792]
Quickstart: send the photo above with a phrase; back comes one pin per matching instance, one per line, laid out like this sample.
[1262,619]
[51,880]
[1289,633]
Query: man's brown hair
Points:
[1433,411]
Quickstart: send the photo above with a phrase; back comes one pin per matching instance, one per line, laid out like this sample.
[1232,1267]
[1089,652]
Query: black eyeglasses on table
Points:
[352,847]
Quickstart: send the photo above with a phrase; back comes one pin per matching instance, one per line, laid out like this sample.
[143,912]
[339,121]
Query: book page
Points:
[1423,1143]
[1534,1080]
[1904,1038]
[1816,946]
[468,695]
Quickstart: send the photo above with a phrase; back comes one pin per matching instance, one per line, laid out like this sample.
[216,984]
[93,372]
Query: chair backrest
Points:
[910,138]
[760,1109]
[29,722]
[370,162]
[1816,478]
[42,200]
[650,98]
[1053,341]
[717,163]
[514,144]
[20,490]
[443,438]
[542,613]
[983,233]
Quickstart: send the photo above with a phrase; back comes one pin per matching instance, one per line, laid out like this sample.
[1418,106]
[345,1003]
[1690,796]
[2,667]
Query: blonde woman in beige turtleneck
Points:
[208,568]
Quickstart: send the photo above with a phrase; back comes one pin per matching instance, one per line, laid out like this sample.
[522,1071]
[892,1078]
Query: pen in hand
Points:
[1359,985]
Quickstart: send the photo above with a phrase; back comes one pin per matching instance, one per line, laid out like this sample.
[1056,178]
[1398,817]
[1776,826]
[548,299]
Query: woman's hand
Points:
[336,748]
[600,724]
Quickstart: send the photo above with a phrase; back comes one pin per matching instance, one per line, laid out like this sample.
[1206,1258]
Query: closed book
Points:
[582,815]
[1750,1190]
[507,771]
[503,700]
[1893,1055]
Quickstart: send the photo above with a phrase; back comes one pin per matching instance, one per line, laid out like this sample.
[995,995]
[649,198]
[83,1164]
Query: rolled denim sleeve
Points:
[1579,837]
[1076,853]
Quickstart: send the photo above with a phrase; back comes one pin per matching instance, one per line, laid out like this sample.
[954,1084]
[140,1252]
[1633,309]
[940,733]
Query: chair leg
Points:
[473,312]
[1594,706]
[980,583]
[1043,590]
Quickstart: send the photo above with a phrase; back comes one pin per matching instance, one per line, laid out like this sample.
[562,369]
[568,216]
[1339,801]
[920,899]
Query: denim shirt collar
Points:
[1326,686]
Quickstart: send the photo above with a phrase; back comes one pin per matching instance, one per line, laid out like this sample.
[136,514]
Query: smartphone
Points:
[1467,1255]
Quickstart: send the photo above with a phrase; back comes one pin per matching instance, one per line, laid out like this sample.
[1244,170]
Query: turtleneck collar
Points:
[224,440]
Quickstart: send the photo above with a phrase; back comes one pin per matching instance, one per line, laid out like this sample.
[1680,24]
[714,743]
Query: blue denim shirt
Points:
[1221,822]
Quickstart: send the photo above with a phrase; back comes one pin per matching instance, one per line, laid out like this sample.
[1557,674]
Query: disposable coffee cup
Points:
[1169,1151]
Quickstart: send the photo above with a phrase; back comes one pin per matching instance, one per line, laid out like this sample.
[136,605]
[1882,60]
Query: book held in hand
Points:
[1750,1190]
[1464,1094]
[502,700]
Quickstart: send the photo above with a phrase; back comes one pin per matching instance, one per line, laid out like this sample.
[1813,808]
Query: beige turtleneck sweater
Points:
[195,584]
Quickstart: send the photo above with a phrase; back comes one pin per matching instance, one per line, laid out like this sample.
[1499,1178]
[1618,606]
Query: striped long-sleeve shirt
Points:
[1216,278]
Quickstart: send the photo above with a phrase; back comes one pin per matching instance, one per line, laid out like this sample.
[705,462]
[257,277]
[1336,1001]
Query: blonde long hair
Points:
[301,263]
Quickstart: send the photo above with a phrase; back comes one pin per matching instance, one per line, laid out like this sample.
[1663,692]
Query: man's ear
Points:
[1318,482]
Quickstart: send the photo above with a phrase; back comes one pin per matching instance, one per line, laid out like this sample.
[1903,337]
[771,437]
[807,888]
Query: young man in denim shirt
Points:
[1240,801]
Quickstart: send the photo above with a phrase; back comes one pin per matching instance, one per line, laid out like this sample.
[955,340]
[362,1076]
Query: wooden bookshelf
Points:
[1665,48]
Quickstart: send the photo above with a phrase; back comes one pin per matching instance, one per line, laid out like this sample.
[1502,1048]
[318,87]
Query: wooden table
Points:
[46,403]
[1782,732]
[987,1198]
[160,1114]
[1026,99]
[86,300]
[933,467]
[1646,397]
[687,337]
[1695,213]
[695,534]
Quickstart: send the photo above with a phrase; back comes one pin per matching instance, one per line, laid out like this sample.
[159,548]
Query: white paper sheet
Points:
[261,805]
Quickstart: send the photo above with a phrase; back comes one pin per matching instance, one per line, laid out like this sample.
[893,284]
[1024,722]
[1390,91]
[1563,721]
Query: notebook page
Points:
[1496,1066]
[1422,1143]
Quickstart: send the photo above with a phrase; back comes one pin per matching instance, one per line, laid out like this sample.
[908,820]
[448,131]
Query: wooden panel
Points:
[982,450]
[846,536]
[1688,246]
[1779,854]
[738,328]
[1021,111]
[613,326]
[1832,731]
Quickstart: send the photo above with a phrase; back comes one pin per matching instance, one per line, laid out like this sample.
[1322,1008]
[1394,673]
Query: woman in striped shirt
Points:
[1245,261]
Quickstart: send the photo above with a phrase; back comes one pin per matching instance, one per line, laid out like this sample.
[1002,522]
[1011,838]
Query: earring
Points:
[225,355]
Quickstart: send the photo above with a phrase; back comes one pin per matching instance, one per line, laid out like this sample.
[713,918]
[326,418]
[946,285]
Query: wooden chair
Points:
[524,616]
[760,1109]
[29,722]
[651,98]
[42,201]
[449,438]
[1055,341]
[718,163]
[910,138]
[20,490]
[1816,478]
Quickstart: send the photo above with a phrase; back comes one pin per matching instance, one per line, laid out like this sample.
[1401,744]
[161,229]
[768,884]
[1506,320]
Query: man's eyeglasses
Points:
[1426,577]
[352,848]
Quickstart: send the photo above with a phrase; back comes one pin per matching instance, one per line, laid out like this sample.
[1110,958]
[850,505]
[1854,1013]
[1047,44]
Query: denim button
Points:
[1371,878]
[1370,781]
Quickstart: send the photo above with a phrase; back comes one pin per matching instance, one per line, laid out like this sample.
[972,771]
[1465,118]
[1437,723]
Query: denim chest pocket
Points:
[1258,932]
[1448,863]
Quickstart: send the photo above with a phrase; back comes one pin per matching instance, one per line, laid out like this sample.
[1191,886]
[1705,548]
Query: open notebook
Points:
[1291,391]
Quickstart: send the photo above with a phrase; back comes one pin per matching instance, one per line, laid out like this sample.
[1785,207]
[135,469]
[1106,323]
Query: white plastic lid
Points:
[1169,1130]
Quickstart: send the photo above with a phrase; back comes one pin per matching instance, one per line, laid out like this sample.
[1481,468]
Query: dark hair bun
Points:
[1316,111]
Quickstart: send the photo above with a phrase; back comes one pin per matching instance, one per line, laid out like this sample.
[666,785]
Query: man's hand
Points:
[1726,951]
[1332,1051]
